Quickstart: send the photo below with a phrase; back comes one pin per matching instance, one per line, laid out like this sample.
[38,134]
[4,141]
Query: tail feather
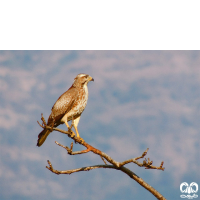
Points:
[42,137]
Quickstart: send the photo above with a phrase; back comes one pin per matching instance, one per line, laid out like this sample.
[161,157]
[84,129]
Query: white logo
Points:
[190,189]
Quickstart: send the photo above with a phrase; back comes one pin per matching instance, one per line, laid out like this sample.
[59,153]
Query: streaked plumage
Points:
[69,105]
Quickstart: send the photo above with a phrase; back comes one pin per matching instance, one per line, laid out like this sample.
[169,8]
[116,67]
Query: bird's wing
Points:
[63,105]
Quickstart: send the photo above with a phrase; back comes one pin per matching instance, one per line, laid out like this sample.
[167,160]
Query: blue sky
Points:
[139,99]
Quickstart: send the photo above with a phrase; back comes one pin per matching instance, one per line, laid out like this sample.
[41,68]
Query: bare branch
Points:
[103,160]
[69,150]
[134,160]
[40,124]
[143,155]
[123,169]
[142,183]
[79,169]
[147,163]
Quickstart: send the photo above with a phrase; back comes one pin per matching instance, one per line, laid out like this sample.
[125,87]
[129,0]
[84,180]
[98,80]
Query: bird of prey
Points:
[69,106]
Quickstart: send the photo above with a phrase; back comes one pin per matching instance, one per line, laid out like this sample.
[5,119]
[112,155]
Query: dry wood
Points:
[147,163]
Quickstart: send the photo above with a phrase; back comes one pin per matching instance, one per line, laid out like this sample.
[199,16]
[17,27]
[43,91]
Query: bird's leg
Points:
[76,129]
[69,129]
[72,124]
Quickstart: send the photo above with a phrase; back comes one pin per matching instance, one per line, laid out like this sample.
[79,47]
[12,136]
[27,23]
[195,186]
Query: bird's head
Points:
[82,79]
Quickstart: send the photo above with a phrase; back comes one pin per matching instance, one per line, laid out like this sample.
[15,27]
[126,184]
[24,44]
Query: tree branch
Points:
[123,169]
[113,164]
[50,167]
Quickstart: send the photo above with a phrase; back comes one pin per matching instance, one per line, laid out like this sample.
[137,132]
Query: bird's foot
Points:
[72,134]
[81,139]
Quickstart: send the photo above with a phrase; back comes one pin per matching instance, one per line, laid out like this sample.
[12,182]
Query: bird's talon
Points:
[69,129]
[82,140]
[72,134]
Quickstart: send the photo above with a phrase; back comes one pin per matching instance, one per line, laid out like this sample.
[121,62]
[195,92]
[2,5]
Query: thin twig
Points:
[69,150]
[103,159]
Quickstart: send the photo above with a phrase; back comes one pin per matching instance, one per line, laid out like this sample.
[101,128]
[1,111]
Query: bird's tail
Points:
[42,137]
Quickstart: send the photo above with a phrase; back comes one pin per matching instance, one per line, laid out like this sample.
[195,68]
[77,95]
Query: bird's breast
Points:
[81,101]
[78,106]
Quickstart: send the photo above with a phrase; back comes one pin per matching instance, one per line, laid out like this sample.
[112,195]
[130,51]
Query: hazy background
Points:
[138,99]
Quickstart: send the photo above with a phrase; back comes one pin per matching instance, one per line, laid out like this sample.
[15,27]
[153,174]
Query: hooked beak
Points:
[91,79]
